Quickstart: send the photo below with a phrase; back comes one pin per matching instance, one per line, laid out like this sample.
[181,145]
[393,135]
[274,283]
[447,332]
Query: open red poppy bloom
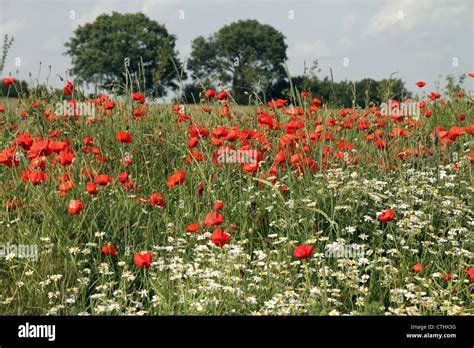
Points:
[91,188]
[75,207]
[157,199]
[192,228]
[176,179]
[218,205]
[219,237]
[103,179]
[124,137]
[210,93]
[214,219]
[143,259]
[303,251]
[387,215]
[421,84]
[418,267]
[470,272]
[8,81]
[223,95]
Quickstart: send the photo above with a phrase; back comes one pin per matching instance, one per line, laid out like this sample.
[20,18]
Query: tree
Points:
[101,52]
[245,55]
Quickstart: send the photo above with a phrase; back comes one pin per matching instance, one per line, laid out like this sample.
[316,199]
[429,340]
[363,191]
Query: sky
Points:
[416,39]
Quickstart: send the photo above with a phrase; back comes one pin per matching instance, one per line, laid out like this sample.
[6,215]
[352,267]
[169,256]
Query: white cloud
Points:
[309,49]
[12,27]
[405,15]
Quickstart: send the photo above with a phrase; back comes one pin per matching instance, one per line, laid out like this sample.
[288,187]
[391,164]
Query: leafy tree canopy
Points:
[102,51]
[245,55]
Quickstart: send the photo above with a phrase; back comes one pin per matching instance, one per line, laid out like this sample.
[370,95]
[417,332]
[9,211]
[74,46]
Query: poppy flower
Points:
[109,105]
[123,177]
[192,228]
[91,188]
[192,142]
[157,199]
[210,93]
[470,271]
[139,98]
[66,158]
[143,259]
[69,88]
[214,219]
[176,179]
[418,267]
[303,251]
[103,179]
[124,137]
[250,167]
[109,249]
[7,81]
[223,95]
[75,207]
[219,237]
[387,215]
[8,158]
[218,205]
[447,277]
[421,84]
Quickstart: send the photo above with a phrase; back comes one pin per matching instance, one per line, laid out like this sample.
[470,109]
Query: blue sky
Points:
[421,40]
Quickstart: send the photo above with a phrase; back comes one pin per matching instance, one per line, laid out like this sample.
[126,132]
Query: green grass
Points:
[256,272]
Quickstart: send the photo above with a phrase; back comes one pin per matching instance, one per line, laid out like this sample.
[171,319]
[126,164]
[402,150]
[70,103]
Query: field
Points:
[219,209]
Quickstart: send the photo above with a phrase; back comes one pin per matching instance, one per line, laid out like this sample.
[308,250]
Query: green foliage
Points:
[102,50]
[246,54]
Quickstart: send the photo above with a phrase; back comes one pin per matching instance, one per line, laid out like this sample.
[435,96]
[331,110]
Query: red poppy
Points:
[103,179]
[223,95]
[210,93]
[75,207]
[123,177]
[109,249]
[157,199]
[421,84]
[219,237]
[176,179]
[8,81]
[69,88]
[418,267]
[109,105]
[91,188]
[66,158]
[218,205]
[143,259]
[303,251]
[139,98]
[387,215]
[124,137]
[214,219]
[192,228]
[470,271]
[250,167]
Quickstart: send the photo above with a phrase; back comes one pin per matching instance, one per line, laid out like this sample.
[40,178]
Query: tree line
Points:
[118,51]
